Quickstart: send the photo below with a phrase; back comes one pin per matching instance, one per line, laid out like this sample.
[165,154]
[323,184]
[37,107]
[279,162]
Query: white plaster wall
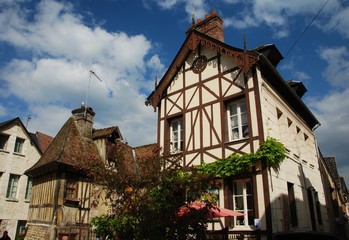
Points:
[12,163]
[301,166]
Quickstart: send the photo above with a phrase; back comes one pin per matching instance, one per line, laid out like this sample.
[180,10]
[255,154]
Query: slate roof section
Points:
[67,148]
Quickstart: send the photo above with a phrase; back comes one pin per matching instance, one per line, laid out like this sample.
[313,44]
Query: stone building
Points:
[19,150]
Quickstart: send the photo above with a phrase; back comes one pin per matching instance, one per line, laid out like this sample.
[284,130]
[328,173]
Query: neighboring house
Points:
[64,199]
[336,195]
[19,150]
[215,100]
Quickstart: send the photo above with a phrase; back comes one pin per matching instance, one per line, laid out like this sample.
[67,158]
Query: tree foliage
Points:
[144,204]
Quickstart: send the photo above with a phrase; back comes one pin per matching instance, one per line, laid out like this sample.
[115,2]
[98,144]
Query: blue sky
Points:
[47,49]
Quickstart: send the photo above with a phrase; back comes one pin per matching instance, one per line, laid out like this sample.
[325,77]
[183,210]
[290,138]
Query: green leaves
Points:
[271,151]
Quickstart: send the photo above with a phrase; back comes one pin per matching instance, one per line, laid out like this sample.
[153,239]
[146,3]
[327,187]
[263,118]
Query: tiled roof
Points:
[332,167]
[68,148]
[107,132]
[44,140]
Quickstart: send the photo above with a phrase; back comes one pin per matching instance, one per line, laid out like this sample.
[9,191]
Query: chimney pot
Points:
[199,20]
[214,13]
[207,15]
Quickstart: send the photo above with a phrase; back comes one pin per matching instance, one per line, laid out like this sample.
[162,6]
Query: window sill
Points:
[4,151]
[19,154]
[11,200]
[237,140]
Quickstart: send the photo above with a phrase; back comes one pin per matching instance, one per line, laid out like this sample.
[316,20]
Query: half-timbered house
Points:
[64,196]
[216,100]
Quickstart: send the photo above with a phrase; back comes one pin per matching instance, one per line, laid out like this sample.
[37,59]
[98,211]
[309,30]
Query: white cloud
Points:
[337,70]
[331,109]
[3,111]
[55,80]
[339,20]
[334,130]
[302,76]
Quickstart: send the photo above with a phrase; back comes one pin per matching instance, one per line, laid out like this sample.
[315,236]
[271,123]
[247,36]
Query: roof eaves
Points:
[309,117]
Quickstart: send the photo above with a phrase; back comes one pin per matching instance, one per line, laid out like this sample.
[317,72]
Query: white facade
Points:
[18,153]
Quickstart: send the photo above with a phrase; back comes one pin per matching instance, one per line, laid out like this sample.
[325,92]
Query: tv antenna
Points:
[88,89]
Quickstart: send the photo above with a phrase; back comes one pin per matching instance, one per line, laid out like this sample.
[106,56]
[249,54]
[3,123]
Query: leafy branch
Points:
[272,151]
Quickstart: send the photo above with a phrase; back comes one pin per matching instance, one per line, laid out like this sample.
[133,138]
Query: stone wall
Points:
[38,232]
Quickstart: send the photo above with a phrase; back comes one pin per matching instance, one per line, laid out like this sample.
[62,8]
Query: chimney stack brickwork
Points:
[83,118]
[212,26]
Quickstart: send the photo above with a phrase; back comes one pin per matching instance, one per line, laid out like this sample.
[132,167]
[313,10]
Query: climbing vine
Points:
[272,151]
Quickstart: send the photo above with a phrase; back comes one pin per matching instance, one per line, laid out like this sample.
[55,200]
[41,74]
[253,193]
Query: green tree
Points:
[144,204]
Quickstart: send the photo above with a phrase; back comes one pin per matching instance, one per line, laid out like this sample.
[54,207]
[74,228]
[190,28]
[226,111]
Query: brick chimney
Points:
[83,118]
[212,26]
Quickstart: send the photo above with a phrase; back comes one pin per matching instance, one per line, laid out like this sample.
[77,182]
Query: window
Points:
[177,135]
[19,145]
[318,208]
[243,202]
[3,141]
[28,190]
[12,187]
[237,120]
[71,187]
[292,204]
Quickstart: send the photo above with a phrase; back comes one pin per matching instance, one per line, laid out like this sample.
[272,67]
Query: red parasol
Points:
[214,211]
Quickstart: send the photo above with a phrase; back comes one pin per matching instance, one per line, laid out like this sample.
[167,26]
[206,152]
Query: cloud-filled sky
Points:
[48,47]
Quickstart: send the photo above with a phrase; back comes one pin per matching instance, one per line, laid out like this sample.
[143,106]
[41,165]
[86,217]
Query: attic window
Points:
[305,137]
[289,122]
[278,113]
[298,129]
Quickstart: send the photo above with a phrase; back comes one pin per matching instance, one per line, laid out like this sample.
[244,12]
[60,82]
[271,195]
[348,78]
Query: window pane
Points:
[3,141]
[19,145]
[12,187]
[243,107]
[244,118]
[177,134]
[28,190]
[233,109]
[234,121]
[238,120]
[239,203]
[248,184]
[237,188]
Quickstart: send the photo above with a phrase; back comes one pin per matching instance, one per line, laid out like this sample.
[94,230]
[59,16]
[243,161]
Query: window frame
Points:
[177,145]
[71,188]
[12,187]
[292,205]
[28,189]
[246,196]
[240,120]
[19,145]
